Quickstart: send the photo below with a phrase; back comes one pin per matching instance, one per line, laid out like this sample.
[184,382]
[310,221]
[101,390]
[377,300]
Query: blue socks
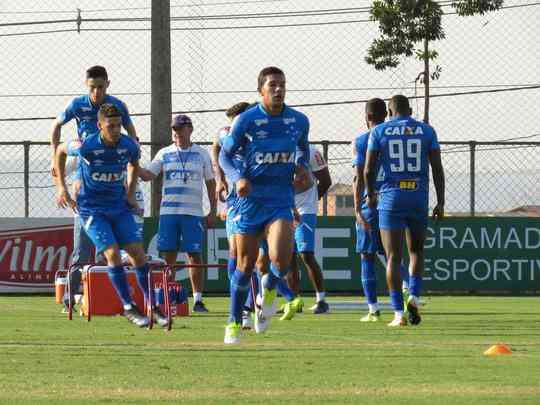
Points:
[404,275]
[239,285]
[396,299]
[283,289]
[415,285]
[369,280]
[231,266]
[142,279]
[119,281]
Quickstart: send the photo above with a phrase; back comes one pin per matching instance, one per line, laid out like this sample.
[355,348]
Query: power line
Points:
[453,94]
[315,90]
[99,10]
[16,34]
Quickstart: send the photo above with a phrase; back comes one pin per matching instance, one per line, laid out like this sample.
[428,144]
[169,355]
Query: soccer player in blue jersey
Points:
[187,170]
[83,110]
[225,193]
[107,158]
[368,240]
[306,204]
[269,135]
[404,148]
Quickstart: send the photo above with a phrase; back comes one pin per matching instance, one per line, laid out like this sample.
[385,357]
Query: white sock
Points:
[127,307]
[373,307]
[320,296]
[197,296]
[398,314]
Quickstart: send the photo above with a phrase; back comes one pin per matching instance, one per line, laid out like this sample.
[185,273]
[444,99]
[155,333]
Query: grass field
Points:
[311,359]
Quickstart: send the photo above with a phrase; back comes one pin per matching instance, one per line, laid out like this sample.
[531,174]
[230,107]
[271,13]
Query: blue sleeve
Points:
[373,143]
[68,114]
[303,146]
[126,119]
[74,148]
[359,152]
[228,166]
[236,138]
[135,153]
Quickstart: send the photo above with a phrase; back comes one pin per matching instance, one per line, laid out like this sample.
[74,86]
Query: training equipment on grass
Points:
[166,285]
[497,350]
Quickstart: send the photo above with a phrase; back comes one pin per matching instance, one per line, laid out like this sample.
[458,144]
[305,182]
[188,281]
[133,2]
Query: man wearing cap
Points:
[185,166]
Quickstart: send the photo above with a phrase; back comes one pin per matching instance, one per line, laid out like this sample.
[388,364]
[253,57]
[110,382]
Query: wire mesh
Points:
[218,47]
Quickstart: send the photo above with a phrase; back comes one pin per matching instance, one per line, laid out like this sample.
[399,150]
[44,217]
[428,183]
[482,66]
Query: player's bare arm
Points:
[132,177]
[145,174]
[439,182]
[369,178]
[358,188]
[212,198]
[63,198]
[243,187]
[55,136]
[221,184]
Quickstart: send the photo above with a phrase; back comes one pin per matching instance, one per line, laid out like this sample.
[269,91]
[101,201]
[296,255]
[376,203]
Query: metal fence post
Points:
[472,145]
[26,175]
[325,196]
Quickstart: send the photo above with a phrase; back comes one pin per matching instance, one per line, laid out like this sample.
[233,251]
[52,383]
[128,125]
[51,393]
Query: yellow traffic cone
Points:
[497,350]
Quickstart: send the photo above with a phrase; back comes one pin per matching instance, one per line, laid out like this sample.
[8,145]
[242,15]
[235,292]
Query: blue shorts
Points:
[369,242]
[252,217]
[416,221]
[180,232]
[263,246]
[304,234]
[229,222]
[106,229]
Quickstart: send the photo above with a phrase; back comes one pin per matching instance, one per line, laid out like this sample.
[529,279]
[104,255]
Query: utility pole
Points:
[160,129]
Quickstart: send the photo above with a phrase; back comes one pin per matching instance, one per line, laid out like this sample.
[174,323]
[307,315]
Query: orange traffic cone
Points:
[497,350]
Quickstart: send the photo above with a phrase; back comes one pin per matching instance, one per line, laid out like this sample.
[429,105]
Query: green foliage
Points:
[472,7]
[405,23]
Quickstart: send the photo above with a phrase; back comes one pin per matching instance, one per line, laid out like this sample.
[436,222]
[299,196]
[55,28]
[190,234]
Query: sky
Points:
[215,64]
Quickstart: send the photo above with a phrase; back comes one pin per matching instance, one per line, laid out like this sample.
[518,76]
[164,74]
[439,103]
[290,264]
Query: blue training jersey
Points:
[237,165]
[269,145]
[103,172]
[85,114]
[404,144]
[359,147]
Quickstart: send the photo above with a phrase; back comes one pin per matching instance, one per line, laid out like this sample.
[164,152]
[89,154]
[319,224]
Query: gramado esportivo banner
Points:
[462,254]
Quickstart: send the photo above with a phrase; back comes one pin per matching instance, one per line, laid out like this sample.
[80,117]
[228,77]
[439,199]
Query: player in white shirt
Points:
[185,167]
[307,202]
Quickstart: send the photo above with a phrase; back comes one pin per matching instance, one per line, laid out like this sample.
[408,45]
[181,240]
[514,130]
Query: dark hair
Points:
[97,72]
[108,110]
[399,104]
[270,70]
[377,107]
[237,109]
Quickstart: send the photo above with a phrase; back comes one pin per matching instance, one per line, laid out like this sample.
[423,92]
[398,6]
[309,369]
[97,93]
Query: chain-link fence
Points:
[473,186]
[489,75]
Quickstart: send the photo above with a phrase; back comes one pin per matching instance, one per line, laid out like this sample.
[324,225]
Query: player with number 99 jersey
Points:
[403,145]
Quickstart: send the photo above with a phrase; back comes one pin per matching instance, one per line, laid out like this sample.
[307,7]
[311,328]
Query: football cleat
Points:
[159,318]
[232,334]
[135,317]
[398,321]
[412,311]
[291,308]
[199,307]
[371,317]
[247,320]
[321,307]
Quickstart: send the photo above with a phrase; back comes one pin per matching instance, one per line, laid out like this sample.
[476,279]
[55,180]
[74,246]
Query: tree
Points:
[406,24]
